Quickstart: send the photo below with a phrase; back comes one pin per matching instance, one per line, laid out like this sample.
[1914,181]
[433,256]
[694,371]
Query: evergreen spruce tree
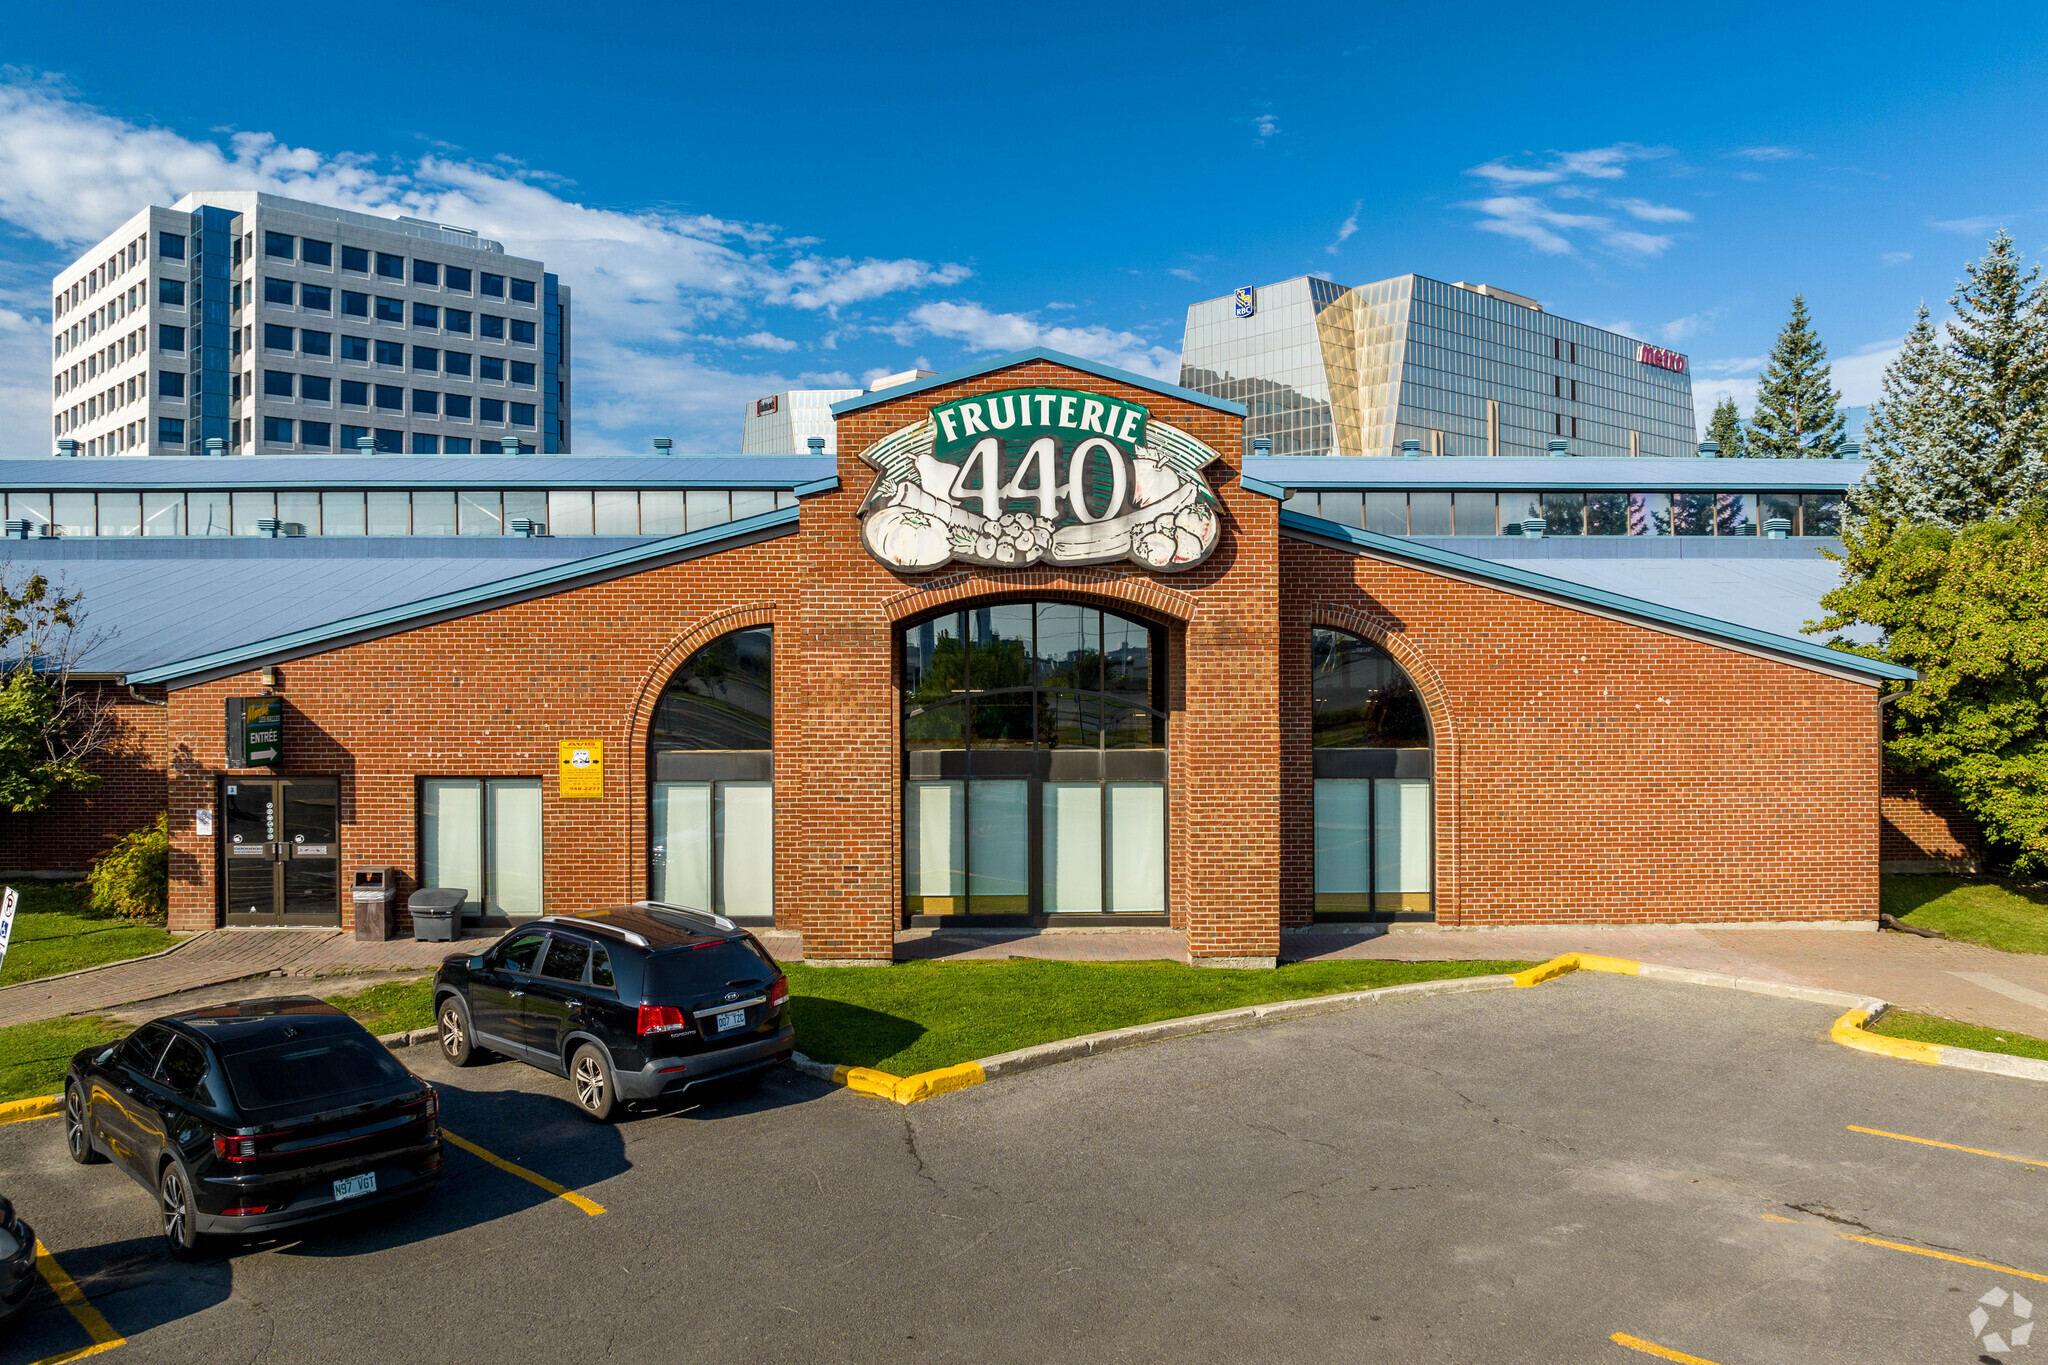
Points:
[1908,437]
[1725,428]
[1797,412]
[1995,368]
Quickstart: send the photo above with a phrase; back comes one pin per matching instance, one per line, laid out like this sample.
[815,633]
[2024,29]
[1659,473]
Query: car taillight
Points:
[778,992]
[234,1148]
[245,1209]
[662,1019]
[431,1100]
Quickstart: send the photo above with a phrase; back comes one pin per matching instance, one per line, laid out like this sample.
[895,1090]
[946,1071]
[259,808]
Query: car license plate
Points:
[730,1019]
[366,1183]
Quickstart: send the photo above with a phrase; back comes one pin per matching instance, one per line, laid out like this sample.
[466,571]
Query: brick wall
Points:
[1589,770]
[79,826]
[1924,830]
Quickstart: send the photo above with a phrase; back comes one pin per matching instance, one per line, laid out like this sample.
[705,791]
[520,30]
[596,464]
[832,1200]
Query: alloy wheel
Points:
[74,1123]
[451,1030]
[589,1083]
[176,1208]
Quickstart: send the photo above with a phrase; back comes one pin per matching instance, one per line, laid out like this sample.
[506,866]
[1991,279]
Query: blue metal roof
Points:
[1072,362]
[1520,474]
[166,608]
[170,472]
[1675,591]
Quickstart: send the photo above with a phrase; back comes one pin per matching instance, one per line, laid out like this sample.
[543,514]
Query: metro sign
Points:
[1664,360]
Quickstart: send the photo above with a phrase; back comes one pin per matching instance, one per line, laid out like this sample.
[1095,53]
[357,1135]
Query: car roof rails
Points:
[638,940]
[715,921]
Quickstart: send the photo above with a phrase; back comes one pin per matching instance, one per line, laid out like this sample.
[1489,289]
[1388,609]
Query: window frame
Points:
[482,894]
[1373,914]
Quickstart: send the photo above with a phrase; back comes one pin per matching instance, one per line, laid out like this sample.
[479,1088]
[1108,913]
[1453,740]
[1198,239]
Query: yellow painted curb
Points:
[1576,962]
[1849,1032]
[866,1080]
[35,1107]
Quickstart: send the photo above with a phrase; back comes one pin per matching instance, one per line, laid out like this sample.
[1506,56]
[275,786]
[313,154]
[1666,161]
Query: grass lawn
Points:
[915,1016]
[55,932]
[1931,1028]
[393,1007]
[1996,912]
[33,1056]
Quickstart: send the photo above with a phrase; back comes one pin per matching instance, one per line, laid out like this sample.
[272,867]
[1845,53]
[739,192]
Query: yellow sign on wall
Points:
[582,768]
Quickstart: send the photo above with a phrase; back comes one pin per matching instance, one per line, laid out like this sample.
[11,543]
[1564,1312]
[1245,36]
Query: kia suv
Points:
[632,1003]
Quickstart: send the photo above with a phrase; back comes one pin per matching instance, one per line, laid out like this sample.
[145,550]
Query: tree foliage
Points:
[1968,608]
[1725,429]
[48,725]
[1797,412]
[133,878]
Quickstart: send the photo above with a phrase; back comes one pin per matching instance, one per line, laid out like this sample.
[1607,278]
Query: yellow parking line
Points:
[1930,1142]
[1651,1348]
[589,1206]
[1944,1256]
[104,1337]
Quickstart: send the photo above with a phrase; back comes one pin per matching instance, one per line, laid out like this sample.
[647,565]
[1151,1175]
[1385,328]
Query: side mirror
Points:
[105,1056]
[476,964]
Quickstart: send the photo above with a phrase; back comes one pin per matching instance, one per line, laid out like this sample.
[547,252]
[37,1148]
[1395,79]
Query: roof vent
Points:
[1710,450]
[1560,447]
[816,444]
[664,445]
[1494,291]
[67,448]
[1262,446]
[1411,448]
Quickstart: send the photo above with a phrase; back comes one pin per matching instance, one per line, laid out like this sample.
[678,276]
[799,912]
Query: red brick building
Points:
[1133,689]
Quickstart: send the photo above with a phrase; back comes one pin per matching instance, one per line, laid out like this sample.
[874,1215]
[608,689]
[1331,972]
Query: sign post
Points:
[8,898]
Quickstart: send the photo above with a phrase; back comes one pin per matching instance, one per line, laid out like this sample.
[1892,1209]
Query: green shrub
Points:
[133,878]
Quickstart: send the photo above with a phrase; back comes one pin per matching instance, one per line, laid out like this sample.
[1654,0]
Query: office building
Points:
[1414,365]
[786,423]
[272,326]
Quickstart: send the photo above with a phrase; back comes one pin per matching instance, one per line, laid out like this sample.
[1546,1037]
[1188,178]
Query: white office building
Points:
[242,323]
[786,423]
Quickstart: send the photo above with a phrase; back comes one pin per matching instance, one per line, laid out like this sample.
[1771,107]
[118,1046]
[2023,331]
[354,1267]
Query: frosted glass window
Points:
[163,514]
[1516,508]
[33,508]
[530,503]
[1343,844]
[341,514]
[206,514]
[390,514]
[433,513]
[303,508]
[1429,514]
[1347,509]
[74,514]
[746,848]
[1401,839]
[1073,846]
[751,502]
[1136,839]
[512,879]
[1472,514]
[120,514]
[661,512]
[682,843]
[935,847]
[452,837]
[477,513]
[617,512]
[709,507]
[569,513]
[1387,513]
[999,849]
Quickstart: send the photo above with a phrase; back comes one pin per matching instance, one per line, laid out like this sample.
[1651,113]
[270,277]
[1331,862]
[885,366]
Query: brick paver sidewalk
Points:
[212,958]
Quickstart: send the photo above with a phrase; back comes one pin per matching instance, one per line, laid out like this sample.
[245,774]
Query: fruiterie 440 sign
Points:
[1027,476]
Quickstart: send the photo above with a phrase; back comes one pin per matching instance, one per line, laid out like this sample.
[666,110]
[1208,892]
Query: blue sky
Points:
[745,198]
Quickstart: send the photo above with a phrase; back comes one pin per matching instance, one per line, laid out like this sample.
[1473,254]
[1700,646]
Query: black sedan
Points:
[17,1259]
[246,1118]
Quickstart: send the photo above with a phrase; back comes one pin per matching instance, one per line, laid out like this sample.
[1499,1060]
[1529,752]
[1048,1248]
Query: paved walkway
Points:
[1957,980]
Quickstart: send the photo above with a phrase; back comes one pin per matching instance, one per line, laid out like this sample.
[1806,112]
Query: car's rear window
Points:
[683,973]
[310,1071]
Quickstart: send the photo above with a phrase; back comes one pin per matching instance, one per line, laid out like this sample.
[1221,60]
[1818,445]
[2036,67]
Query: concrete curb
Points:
[35,1107]
[409,1039]
[925,1084]
[103,966]
[1848,1030]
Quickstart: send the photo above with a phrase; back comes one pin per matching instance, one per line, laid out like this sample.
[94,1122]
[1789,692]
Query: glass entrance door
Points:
[281,851]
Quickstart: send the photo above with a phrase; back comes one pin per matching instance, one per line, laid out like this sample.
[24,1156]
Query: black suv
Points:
[630,1003]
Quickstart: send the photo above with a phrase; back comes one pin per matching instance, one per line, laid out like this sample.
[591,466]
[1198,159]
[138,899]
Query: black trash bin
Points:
[436,913]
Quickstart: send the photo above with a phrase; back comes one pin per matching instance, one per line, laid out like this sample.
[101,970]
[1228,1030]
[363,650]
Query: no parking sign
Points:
[7,900]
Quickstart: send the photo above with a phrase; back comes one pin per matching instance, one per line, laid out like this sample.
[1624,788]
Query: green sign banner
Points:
[255,731]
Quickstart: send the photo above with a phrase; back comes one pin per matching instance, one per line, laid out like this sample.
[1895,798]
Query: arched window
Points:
[711,779]
[1034,765]
[1373,768]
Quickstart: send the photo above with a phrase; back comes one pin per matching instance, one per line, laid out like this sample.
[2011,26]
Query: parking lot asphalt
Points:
[1514,1176]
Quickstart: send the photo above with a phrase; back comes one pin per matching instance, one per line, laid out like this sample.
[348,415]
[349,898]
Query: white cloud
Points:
[981,330]
[1679,329]
[648,283]
[1179,273]
[1527,205]
[1973,227]
[1858,377]
[1346,228]
[1768,153]
[1891,258]
[1265,126]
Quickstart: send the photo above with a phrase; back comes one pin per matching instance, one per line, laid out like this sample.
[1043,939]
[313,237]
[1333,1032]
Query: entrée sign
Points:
[1026,476]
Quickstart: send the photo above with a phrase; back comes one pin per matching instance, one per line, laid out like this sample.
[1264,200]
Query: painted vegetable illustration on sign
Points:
[1030,476]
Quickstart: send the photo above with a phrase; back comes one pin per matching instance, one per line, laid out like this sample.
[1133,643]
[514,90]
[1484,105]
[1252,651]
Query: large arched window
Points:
[1372,776]
[711,778]
[1034,764]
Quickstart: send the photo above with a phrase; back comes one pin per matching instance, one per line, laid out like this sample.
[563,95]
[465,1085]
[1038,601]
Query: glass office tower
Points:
[1328,369]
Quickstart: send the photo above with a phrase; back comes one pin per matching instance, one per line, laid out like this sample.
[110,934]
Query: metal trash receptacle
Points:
[376,902]
[436,913]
